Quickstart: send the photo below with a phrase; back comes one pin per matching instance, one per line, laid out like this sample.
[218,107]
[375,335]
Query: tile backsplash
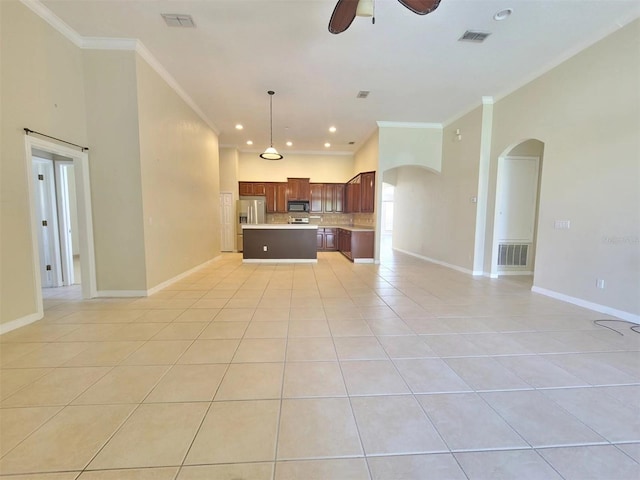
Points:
[347,219]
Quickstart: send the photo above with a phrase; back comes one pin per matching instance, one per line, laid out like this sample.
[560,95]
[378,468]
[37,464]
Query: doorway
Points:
[516,211]
[386,223]
[62,226]
[227,222]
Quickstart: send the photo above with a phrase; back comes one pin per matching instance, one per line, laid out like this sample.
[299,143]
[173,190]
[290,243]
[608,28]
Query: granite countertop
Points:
[280,226]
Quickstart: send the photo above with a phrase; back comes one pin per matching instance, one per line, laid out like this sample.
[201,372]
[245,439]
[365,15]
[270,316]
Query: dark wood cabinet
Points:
[281,197]
[333,198]
[245,188]
[259,189]
[330,239]
[252,188]
[355,245]
[276,194]
[270,193]
[298,189]
[316,197]
[353,195]
[327,239]
[357,195]
[367,192]
[339,198]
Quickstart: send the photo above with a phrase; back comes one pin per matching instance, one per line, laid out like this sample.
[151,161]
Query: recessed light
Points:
[503,14]
[239,127]
[327,144]
[249,142]
[332,129]
[289,144]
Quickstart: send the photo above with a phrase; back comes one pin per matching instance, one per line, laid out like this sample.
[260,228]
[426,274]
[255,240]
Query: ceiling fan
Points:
[345,11]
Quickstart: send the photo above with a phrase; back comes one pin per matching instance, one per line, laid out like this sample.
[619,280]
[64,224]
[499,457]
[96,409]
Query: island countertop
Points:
[279,226]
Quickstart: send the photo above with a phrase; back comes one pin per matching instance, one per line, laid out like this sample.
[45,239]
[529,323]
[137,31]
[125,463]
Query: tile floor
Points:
[404,370]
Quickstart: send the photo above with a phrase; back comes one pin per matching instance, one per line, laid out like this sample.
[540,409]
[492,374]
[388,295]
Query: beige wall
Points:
[229,171]
[42,89]
[113,102]
[401,145]
[434,216]
[366,158]
[180,182]
[114,158]
[319,168]
[587,113]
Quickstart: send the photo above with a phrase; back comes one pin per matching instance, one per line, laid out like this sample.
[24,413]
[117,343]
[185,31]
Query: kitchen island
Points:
[280,243]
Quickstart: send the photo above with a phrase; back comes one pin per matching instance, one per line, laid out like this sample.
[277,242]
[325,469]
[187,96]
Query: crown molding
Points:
[172,82]
[123,44]
[408,125]
[56,22]
[107,43]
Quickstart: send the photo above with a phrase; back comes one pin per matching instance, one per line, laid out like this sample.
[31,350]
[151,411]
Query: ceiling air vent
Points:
[363,94]
[471,36]
[178,20]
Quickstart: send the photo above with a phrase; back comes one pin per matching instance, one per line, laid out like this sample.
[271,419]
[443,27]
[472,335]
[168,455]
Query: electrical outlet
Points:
[600,283]
[264,248]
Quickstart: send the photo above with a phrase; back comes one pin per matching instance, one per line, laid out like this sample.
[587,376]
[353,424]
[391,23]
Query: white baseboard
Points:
[20,322]
[439,262]
[504,273]
[363,260]
[157,288]
[596,307]
[177,278]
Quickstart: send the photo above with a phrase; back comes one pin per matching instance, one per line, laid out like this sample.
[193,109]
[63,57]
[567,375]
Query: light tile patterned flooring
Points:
[404,370]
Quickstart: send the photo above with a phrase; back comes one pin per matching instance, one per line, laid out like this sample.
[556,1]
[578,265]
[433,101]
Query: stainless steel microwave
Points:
[299,206]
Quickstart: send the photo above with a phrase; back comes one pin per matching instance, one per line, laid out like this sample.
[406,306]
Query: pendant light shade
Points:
[365,8]
[271,153]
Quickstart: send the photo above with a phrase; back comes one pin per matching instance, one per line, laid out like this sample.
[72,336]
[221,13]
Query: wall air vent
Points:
[363,94]
[513,255]
[178,20]
[472,36]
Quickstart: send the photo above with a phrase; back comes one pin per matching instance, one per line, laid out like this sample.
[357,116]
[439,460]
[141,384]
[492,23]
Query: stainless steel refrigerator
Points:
[250,210]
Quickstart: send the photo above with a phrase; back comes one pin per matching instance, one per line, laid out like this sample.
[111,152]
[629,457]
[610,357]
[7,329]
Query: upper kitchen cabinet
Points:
[327,198]
[276,194]
[299,189]
[353,194]
[251,188]
[360,193]
[316,196]
[333,198]
[367,192]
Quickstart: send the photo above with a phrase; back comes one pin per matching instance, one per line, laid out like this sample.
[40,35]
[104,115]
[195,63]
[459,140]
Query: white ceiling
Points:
[414,66]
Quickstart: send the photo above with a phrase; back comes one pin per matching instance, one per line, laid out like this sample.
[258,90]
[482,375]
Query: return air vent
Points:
[363,94]
[513,255]
[472,36]
[178,20]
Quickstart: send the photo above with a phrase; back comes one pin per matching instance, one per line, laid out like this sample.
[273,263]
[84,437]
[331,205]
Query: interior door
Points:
[47,226]
[517,199]
[227,222]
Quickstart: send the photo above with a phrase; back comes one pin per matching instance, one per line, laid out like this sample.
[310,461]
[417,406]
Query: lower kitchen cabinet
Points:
[327,239]
[355,245]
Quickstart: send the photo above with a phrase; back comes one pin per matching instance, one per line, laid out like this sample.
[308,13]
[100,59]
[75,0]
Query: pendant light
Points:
[271,153]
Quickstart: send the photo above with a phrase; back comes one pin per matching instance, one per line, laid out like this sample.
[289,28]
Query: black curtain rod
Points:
[28,131]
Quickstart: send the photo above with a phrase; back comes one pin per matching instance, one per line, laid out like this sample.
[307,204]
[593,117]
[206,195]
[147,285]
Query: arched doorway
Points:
[516,209]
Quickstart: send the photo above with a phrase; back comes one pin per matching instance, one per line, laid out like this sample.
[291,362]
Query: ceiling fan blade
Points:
[343,15]
[421,7]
